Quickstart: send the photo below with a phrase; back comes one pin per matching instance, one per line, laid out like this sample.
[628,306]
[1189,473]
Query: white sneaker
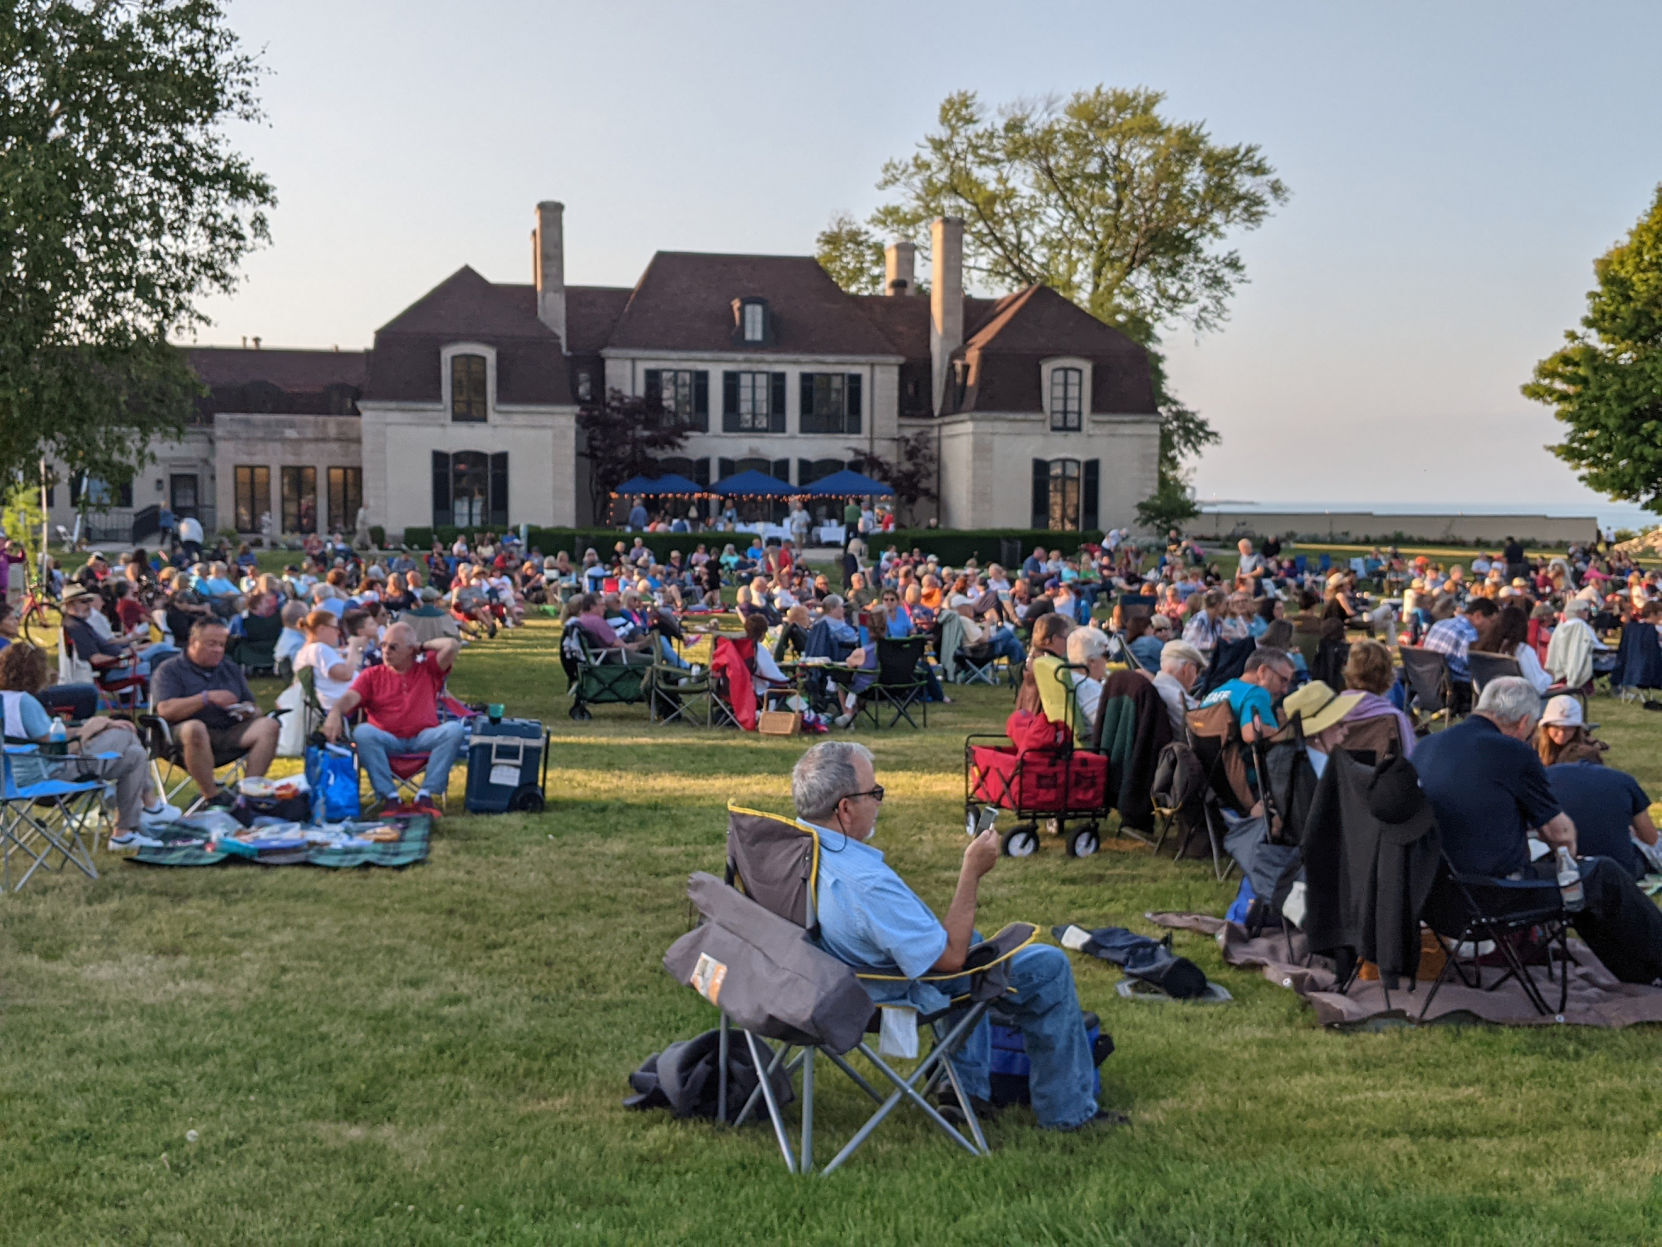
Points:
[162,813]
[134,840]
[843,720]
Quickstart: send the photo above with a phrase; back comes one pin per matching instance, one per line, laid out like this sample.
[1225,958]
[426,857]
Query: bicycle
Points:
[41,613]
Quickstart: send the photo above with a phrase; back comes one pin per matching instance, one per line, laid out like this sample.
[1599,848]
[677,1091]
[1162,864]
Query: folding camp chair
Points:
[775,862]
[46,821]
[899,686]
[1638,670]
[120,687]
[1486,667]
[1430,690]
[1214,735]
[599,676]
[1465,912]
[167,761]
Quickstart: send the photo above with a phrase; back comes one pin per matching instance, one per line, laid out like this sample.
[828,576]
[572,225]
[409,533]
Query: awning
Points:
[848,484]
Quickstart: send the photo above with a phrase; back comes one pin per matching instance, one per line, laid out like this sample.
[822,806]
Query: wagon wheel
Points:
[580,712]
[1084,842]
[1021,841]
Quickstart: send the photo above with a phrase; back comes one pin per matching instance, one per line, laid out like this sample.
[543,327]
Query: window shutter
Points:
[853,383]
[701,470]
[654,384]
[729,402]
[776,408]
[1088,505]
[805,472]
[701,401]
[724,469]
[1041,494]
[441,490]
[782,468]
[805,407]
[499,489]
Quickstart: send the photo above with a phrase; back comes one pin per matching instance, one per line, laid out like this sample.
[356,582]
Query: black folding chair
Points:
[1430,690]
[1466,911]
[900,686]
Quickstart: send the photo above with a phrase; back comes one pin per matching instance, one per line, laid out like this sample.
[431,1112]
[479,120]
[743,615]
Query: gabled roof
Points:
[591,314]
[277,380]
[465,305]
[684,302]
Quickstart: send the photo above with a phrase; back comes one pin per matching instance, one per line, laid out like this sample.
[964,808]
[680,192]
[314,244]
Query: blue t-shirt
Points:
[1602,802]
[1487,790]
[28,768]
[1246,699]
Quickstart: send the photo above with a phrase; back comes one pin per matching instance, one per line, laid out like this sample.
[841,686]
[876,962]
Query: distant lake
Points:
[1615,514]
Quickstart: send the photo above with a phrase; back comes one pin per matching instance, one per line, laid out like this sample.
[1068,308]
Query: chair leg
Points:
[765,1085]
[805,1161]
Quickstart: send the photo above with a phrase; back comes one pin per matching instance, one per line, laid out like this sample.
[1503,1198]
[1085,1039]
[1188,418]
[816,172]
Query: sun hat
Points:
[75,592]
[1335,580]
[1317,706]
[1564,711]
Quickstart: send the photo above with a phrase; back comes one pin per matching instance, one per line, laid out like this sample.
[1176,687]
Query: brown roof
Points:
[530,368]
[591,314]
[684,302]
[278,380]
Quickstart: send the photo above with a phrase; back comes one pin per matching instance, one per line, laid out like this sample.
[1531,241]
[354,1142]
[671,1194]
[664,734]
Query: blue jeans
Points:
[443,745]
[1005,645]
[1045,1008]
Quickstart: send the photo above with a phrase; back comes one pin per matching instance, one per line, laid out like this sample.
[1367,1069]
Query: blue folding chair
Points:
[48,820]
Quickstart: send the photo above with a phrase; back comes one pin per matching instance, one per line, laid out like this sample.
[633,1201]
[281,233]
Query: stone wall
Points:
[1367,526]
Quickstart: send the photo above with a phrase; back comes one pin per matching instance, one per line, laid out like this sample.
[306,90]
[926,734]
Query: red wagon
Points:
[1060,786]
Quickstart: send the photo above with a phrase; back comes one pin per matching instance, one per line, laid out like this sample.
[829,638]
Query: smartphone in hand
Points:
[979,821]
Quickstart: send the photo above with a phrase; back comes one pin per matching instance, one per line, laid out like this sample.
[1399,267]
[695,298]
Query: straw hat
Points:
[74,592]
[1317,706]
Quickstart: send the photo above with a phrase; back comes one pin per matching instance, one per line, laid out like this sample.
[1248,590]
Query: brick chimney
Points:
[946,300]
[899,263]
[548,267]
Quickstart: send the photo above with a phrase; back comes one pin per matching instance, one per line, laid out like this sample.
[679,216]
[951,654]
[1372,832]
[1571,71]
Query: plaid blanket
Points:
[407,851]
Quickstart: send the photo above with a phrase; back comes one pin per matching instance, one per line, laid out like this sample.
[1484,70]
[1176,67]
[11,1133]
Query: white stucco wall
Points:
[986,465]
[276,442]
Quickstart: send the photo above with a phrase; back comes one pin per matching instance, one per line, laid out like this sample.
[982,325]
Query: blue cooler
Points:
[507,766]
[1009,1067]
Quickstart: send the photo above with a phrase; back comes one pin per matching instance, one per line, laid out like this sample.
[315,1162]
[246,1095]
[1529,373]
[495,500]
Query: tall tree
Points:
[122,204]
[623,436]
[911,474]
[1605,383]
[1101,198]
[852,254]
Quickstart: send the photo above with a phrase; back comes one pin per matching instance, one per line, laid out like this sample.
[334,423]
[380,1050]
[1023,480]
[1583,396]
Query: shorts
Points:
[226,742]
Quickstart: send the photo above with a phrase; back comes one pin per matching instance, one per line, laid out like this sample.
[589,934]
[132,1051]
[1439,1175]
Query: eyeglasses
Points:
[876,794]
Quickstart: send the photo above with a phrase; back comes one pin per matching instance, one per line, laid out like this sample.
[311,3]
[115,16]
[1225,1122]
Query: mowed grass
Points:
[437,1055]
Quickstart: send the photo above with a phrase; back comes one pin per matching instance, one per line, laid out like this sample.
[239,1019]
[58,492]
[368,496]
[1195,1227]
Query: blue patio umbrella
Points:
[848,484]
[753,484]
[652,486]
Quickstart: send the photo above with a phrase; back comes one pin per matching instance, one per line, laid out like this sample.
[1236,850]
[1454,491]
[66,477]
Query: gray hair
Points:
[1508,698]
[830,600]
[1577,606]
[1085,644]
[824,776]
[1176,653]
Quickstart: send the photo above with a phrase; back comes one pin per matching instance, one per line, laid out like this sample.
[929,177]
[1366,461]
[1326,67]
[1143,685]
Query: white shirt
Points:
[190,529]
[1087,693]
[1529,666]
[322,659]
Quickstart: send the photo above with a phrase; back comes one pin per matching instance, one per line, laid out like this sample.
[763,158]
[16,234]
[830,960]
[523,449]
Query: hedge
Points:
[952,546]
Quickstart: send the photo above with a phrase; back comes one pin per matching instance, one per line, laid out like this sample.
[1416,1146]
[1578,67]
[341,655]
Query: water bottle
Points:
[57,737]
[1569,881]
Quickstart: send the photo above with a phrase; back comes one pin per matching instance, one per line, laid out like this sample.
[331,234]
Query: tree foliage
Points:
[624,436]
[1170,506]
[851,254]
[911,474]
[122,205]
[1098,196]
[1605,383]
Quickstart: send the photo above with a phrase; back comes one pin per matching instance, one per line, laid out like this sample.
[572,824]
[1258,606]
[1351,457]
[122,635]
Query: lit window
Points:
[467,388]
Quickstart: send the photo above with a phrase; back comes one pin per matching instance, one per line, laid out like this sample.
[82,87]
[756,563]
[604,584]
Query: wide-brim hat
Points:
[1317,706]
[75,592]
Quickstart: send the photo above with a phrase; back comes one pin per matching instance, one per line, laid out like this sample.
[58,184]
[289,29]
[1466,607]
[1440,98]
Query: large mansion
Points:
[465,409]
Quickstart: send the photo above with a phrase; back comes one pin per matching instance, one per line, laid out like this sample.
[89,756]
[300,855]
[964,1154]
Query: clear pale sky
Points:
[1454,167]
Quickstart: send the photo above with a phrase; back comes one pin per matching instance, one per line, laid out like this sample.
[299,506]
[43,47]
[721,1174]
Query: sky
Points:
[1455,168]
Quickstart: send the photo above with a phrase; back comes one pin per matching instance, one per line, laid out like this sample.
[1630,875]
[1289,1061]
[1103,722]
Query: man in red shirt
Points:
[401,700]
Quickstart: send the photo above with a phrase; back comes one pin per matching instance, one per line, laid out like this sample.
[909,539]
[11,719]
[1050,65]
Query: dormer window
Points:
[467,389]
[752,321]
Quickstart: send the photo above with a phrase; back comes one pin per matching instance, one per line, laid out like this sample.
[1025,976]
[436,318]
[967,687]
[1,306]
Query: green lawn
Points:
[438,1055]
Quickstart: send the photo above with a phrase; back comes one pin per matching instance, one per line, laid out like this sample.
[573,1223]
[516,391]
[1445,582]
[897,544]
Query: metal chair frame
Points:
[45,820]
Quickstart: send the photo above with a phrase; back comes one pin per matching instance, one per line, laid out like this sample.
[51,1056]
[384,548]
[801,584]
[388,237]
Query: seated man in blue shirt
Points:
[1267,676]
[1489,789]
[1610,811]
[871,920]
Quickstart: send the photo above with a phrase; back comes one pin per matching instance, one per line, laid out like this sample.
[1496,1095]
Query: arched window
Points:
[1067,398]
[1065,494]
[467,389]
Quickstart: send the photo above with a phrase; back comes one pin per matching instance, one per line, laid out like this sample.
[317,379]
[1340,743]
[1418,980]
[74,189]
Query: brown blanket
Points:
[1596,997]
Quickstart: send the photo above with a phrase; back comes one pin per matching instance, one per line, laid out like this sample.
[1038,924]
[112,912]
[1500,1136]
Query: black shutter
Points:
[654,385]
[782,470]
[729,403]
[853,424]
[1041,493]
[442,515]
[776,408]
[701,472]
[805,472]
[701,401]
[499,490]
[724,469]
[807,423]
[1092,481]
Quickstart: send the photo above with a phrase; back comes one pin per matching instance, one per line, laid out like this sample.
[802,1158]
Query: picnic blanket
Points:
[186,846]
[1597,998]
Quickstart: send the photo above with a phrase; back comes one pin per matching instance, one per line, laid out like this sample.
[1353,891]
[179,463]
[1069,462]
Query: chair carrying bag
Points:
[766,973]
[507,766]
